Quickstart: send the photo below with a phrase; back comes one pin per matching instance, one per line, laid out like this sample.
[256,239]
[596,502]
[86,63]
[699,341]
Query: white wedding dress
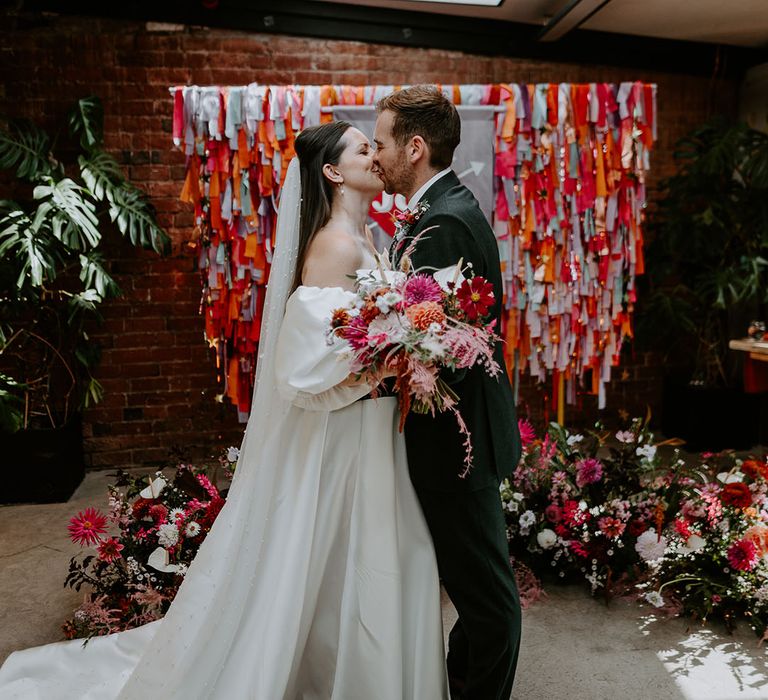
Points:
[318,580]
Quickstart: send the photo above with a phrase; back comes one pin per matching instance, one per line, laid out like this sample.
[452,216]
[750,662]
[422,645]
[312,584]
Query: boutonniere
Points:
[404,220]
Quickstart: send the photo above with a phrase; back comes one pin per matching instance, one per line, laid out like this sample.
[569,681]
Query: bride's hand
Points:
[353,380]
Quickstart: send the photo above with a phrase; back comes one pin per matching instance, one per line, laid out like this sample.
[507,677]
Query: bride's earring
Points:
[341,188]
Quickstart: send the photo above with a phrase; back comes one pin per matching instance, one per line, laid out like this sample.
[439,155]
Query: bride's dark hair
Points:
[316,146]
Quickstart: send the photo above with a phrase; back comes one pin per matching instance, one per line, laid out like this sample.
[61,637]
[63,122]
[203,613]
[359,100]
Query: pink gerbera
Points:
[588,471]
[742,555]
[421,288]
[87,527]
[110,549]
[527,433]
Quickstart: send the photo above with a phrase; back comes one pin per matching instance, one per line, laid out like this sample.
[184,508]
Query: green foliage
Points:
[52,274]
[707,260]
[25,147]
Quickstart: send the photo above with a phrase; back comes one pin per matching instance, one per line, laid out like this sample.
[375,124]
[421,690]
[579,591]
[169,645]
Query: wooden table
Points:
[755,364]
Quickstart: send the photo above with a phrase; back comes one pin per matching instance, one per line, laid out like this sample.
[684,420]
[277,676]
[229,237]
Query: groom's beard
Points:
[400,178]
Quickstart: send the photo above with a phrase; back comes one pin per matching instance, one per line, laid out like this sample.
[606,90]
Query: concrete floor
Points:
[574,648]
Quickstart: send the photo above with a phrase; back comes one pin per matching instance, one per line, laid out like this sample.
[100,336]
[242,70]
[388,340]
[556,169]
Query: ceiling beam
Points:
[570,17]
[424,30]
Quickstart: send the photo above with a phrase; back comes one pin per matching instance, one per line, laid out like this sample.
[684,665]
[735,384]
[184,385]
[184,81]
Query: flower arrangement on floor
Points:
[144,545]
[417,325]
[688,538]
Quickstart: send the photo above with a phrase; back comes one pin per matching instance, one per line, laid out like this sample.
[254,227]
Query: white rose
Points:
[546,538]
[233,454]
[695,543]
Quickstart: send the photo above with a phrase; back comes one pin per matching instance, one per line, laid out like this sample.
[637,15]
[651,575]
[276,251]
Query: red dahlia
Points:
[754,469]
[736,494]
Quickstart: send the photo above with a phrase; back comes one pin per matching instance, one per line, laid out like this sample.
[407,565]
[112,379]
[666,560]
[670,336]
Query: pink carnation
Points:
[421,288]
[742,555]
[588,471]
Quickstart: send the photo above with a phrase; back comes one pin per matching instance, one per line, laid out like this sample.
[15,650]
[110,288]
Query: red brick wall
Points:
[156,369]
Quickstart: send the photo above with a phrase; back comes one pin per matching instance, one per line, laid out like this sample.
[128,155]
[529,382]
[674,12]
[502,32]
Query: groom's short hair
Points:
[424,111]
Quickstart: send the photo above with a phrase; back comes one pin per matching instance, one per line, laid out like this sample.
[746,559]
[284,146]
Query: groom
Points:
[416,133]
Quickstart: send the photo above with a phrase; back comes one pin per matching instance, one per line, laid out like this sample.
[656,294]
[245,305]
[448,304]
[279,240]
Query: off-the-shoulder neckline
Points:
[312,286]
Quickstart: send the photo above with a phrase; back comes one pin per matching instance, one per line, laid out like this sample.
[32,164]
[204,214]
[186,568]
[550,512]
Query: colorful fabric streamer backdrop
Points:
[569,193]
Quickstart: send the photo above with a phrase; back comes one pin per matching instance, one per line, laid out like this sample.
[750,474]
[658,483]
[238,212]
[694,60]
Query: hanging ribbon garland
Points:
[569,184]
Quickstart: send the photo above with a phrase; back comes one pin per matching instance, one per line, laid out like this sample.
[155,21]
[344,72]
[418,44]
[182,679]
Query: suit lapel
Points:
[431,196]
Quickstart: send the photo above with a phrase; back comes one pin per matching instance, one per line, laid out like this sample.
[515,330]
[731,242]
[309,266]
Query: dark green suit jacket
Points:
[434,444]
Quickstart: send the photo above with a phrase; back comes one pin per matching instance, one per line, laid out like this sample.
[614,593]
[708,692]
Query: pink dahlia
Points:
[87,527]
[588,471]
[110,549]
[742,555]
[421,288]
[527,433]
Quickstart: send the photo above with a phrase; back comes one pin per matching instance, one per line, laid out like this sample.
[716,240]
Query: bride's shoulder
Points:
[336,241]
[332,257]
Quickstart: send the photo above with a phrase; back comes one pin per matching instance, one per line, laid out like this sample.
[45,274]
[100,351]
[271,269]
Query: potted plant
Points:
[707,265]
[52,281]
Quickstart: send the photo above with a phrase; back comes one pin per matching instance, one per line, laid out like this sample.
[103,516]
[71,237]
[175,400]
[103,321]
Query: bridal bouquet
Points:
[416,326]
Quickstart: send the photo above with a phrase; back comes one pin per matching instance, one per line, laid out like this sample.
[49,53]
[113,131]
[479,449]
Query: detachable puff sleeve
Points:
[308,370]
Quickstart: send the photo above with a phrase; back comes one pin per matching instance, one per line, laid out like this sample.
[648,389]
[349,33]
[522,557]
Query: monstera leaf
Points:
[86,120]
[25,147]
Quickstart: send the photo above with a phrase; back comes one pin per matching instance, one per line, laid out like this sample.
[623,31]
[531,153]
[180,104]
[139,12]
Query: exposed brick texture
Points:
[156,369]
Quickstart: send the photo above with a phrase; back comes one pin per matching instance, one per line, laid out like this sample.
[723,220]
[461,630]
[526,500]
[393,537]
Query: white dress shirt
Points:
[413,201]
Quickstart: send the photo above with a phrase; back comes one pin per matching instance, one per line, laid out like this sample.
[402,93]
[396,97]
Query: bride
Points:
[318,579]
